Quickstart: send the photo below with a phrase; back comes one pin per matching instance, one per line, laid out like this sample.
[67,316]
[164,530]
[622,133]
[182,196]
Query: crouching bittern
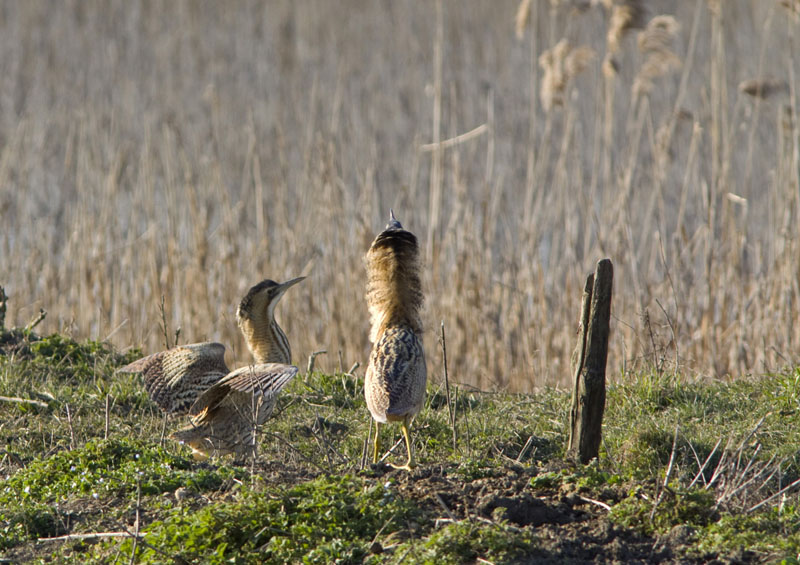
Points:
[395,379]
[177,378]
[226,416]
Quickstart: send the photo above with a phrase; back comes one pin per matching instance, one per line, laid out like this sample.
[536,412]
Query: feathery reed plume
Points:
[763,88]
[524,11]
[521,19]
[655,43]
[793,7]
[625,16]
[560,64]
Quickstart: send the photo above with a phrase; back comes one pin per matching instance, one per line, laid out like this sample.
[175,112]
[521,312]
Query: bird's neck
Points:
[394,317]
[266,341]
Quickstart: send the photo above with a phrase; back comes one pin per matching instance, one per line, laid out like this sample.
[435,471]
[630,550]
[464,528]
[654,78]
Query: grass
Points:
[503,493]
[271,140]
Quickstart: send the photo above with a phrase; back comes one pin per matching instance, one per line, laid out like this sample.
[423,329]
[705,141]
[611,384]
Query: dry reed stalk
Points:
[159,194]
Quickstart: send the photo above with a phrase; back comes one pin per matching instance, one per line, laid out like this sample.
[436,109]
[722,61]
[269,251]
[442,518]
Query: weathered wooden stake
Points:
[3,303]
[589,366]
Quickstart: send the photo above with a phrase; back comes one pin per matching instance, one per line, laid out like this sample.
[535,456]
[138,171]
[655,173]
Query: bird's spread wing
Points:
[174,378]
[265,380]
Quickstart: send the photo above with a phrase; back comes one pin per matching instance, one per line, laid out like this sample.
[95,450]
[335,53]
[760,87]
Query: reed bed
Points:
[186,150]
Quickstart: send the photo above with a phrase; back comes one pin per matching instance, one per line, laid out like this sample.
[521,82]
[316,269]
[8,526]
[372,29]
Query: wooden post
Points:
[589,366]
[3,302]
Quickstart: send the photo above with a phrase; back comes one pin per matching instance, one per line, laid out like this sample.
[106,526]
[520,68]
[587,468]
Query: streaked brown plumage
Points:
[176,377]
[225,416]
[195,378]
[395,380]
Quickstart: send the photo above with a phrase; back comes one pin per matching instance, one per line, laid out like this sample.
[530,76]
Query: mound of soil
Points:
[572,528]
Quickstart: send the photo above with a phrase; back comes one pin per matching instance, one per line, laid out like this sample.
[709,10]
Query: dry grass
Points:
[189,149]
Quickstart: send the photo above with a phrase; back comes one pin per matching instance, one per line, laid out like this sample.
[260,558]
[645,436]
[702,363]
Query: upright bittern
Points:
[177,378]
[395,379]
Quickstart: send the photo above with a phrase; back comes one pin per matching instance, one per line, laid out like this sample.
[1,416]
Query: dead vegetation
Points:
[149,153]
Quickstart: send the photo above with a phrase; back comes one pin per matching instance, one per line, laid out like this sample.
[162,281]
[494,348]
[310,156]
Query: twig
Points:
[71,431]
[312,359]
[92,536]
[667,475]
[15,400]
[36,321]
[108,397]
[705,464]
[391,449]
[172,558]
[524,449]
[444,144]
[447,391]
[163,430]
[164,328]
[671,457]
[766,500]
[300,453]
[674,299]
[597,502]
[444,507]
[365,445]
[138,516]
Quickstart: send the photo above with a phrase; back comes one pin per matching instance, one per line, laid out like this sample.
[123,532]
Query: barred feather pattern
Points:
[395,379]
[176,377]
[225,416]
[266,340]
[396,376]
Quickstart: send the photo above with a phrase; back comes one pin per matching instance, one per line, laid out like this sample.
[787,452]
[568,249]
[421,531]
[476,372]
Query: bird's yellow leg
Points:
[411,461]
[376,452]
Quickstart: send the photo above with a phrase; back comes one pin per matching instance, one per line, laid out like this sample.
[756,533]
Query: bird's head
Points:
[262,298]
[394,223]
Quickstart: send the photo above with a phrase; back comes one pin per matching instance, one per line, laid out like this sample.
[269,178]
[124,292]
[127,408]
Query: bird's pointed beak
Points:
[286,285]
[393,224]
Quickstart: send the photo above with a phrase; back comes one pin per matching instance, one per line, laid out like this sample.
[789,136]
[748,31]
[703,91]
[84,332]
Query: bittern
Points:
[178,378]
[225,417]
[395,380]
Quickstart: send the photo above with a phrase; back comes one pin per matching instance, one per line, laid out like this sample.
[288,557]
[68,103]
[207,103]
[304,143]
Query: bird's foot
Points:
[410,466]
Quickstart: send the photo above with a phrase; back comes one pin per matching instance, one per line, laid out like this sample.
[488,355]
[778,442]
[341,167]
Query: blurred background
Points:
[185,150]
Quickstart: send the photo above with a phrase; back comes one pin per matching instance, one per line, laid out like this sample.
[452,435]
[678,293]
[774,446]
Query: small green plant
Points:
[675,506]
[329,519]
[465,542]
